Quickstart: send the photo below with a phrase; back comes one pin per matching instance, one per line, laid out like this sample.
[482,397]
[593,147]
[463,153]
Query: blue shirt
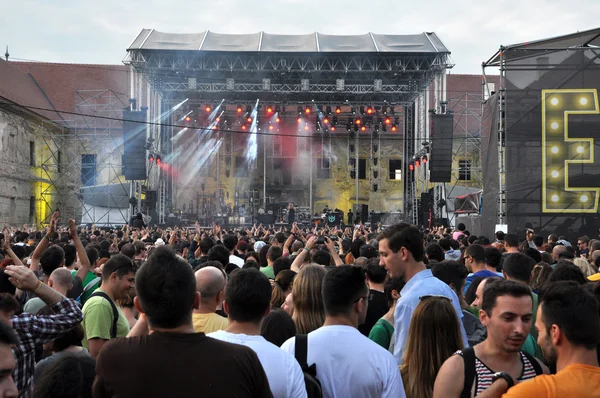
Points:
[483,273]
[422,284]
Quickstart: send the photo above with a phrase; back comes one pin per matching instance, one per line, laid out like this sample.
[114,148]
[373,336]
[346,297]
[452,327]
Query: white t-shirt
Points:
[283,371]
[236,260]
[349,365]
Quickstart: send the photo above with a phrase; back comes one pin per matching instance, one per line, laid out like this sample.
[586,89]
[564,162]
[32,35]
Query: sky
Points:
[99,32]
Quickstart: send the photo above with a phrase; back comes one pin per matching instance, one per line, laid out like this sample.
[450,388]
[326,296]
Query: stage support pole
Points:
[310,179]
[356,166]
[265,172]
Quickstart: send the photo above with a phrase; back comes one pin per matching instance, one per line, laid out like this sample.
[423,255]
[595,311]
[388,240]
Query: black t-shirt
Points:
[178,365]
[378,307]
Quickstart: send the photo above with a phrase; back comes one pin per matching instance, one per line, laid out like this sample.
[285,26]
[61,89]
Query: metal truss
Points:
[82,136]
[410,197]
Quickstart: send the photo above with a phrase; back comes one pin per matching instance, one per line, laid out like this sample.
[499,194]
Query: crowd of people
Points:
[296,312]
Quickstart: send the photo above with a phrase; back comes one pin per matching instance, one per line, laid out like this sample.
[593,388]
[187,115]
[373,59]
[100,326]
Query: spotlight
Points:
[215,127]
[299,120]
[243,127]
[249,120]
[277,120]
[358,121]
[248,109]
[328,110]
[417,162]
[151,157]
[411,167]
[338,110]
[424,159]
[158,160]
[326,121]
[335,120]
[388,120]
[187,118]
[299,110]
[362,110]
[369,111]
[363,128]
[208,108]
[239,109]
[218,119]
[306,127]
[271,127]
[332,128]
[392,111]
[269,109]
[307,110]
[394,128]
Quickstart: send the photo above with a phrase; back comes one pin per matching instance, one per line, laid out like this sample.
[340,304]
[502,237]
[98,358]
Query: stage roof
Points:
[426,42]
[589,39]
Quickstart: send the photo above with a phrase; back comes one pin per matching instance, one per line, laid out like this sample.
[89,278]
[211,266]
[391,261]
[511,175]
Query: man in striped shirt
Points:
[506,311]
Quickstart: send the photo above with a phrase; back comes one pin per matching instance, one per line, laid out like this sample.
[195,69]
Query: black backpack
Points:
[113,329]
[468,355]
[313,385]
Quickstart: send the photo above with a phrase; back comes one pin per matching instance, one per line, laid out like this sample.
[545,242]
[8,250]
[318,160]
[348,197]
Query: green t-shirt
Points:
[268,271]
[381,333]
[88,278]
[98,318]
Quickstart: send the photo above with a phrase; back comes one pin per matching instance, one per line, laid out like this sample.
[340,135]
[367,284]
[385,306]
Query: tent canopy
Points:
[580,40]
[426,42]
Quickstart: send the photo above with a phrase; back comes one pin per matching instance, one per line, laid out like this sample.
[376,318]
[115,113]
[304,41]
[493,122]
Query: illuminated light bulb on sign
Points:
[583,198]
[554,149]
[554,125]
[580,149]
[583,101]
[554,101]
[555,174]
[554,198]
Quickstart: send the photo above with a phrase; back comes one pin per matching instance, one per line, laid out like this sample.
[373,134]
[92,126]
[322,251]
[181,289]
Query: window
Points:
[323,165]
[395,168]
[31,153]
[362,168]
[58,162]
[241,167]
[88,170]
[464,170]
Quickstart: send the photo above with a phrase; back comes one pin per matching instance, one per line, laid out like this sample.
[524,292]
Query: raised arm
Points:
[84,261]
[8,249]
[299,260]
[331,247]
[43,244]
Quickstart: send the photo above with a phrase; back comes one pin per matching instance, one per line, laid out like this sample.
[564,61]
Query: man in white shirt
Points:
[402,253]
[348,364]
[247,303]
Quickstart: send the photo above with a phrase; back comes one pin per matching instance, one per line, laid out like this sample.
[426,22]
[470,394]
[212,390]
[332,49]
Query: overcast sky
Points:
[99,31]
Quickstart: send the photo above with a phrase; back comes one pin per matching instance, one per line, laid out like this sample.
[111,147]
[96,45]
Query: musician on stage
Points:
[291,213]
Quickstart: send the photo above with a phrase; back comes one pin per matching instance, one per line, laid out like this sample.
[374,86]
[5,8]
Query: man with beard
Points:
[568,327]
[401,253]
[506,311]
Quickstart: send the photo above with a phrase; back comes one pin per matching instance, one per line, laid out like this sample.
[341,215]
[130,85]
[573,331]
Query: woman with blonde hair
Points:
[434,335]
[309,312]
[584,266]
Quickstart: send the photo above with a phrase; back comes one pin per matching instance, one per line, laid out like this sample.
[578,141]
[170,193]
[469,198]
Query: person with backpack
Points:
[337,356]
[103,319]
[506,310]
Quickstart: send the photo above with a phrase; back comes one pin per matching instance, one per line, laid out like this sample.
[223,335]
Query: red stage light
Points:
[270,127]
[299,120]
[239,109]
[332,128]
[158,161]
[417,162]
[187,118]
[363,128]
[218,119]
[388,120]
[207,109]
[411,167]
[338,110]
[358,121]
[369,110]
[306,127]
[424,159]
[151,158]
[243,127]
[277,120]
[394,128]
[269,110]
[215,127]
[249,120]
[326,121]
[307,110]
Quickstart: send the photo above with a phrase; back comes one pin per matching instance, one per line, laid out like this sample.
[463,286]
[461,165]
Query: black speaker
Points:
[440,162]
[426,207]
[151,198]
[134,145]
[364,213]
